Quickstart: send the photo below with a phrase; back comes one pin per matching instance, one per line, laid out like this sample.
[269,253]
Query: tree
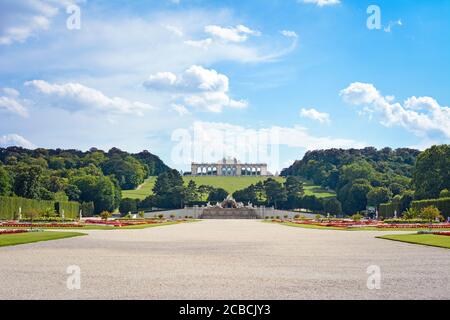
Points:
[191,193]
[333,206]
[246,195]
[27,181]
[377,196]
[275,192]
[353,196]
[98,189]
[444,194]
[5,182]
[217,195]
[129,172]
[294,186]
[432,172]
[169,190]
[128,205]
[312,203]
[72,192]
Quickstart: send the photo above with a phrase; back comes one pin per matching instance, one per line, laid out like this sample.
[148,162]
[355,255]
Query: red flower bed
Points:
[41,225]
[116,223]
[12,231]
[442,233]
[415,226]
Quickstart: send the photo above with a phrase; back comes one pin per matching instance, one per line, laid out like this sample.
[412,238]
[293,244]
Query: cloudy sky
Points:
[183,77]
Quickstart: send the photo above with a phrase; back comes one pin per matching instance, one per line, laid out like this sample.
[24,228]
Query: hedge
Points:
[9,207]
[387,210]
[442,204]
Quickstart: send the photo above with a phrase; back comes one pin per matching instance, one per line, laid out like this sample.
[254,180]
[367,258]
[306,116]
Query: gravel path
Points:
[224,260]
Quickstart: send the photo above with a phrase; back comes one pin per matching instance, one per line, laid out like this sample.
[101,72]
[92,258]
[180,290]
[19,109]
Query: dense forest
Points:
[370,177]
[94,176]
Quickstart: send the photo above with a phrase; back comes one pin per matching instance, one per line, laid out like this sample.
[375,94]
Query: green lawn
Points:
[422,239]
[231,184]
[307,226]
[142,192]
[22,238]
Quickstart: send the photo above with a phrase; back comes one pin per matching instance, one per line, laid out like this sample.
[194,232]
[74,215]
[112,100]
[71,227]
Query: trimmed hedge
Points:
[9,207]
[442,204]
[387,210]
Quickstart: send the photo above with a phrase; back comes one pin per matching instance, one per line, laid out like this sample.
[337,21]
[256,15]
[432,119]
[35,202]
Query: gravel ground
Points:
[224,260]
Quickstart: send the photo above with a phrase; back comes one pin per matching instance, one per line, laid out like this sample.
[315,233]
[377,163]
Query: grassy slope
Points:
[21,238]
[231,184]
[422,239]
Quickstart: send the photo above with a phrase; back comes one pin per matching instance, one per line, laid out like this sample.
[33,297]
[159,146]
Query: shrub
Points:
[160,216]
[357,217]
[411,213]
[431,214]
[297,216]
[442,204]
[105,215]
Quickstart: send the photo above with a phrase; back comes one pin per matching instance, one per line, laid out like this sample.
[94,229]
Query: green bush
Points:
[9,207]
[387,210]
[442,204]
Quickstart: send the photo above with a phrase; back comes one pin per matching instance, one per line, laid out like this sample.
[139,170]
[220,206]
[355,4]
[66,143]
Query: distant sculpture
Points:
[229,209]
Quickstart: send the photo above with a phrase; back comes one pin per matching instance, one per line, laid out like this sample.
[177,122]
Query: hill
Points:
[230,184]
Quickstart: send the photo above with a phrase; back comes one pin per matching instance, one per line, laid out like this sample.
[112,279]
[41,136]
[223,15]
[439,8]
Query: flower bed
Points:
[415,226]
[12,231]
[442,233]
[121,223]
[339,223]
[40,225]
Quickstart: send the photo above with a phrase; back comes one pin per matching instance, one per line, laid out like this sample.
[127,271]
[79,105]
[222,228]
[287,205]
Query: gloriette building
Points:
[229,167]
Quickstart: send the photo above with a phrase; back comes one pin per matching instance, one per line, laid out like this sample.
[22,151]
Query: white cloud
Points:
[321,3]
[209,141]
[204,44]
[75,96]
[180,109]
[239,33]
[421,115]
[201,88]
[10,103]
[289,33]
[23,19]
[13,139]
[313,114]
[175,30]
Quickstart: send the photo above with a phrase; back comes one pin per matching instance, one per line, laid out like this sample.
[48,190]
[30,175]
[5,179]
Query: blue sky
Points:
[153,74]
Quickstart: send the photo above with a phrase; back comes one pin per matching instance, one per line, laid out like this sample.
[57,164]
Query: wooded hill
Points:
[93,176]
[370,177]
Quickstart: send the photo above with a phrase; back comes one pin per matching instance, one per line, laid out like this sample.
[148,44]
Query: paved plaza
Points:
[218,259]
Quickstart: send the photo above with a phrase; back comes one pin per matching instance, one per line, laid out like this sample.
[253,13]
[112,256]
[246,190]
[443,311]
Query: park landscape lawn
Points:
[230,184]
[422,239]
[307,226]
[30,237]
